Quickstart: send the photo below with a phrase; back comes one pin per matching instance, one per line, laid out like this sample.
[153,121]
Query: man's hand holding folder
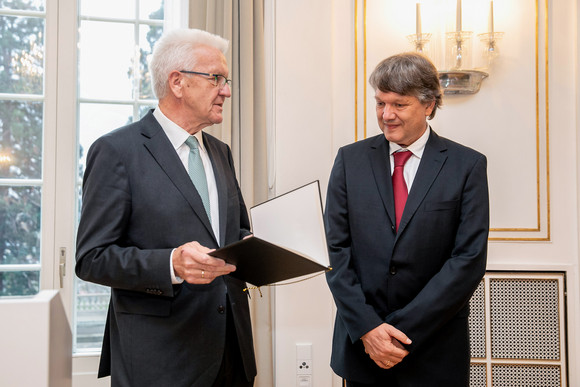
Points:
[289,240]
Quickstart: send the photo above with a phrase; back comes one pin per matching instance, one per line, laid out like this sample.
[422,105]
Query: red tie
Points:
[399,185]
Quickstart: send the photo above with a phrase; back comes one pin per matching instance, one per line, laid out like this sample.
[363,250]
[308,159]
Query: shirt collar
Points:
[417,148]
[176,134]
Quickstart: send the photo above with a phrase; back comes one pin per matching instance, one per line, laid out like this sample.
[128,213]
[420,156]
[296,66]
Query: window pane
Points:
[92,300]
[21,55]
[148,35]
[19,225]
[91,307]
[19,283]
[119,9]
[145,109]
[21,135]
[21,139]
[106,56]
[151,9]
[96,119]
[24,5]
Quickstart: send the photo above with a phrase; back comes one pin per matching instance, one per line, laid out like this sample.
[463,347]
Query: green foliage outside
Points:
[21,72]
[21,138]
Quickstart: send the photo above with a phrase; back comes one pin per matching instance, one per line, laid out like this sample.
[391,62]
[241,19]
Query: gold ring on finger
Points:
[202,274]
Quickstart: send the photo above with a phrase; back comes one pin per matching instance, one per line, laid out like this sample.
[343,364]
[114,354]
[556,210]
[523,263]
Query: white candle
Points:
[458,17]
[491,17]
[418,21]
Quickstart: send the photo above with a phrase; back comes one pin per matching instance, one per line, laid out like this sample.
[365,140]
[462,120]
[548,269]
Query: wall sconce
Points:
[459,77]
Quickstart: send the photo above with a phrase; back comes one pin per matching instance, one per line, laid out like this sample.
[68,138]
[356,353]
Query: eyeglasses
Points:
[217,80]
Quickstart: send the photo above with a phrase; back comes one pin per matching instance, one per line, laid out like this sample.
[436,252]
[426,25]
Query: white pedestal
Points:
[35,342]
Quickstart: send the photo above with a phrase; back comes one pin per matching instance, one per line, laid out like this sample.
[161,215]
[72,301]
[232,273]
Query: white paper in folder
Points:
[294,221]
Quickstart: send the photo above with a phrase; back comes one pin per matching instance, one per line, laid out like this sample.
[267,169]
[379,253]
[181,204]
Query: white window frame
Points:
[47,180]
[135,102]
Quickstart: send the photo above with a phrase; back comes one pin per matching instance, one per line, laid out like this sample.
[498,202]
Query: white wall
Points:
[303,127]
[314,114]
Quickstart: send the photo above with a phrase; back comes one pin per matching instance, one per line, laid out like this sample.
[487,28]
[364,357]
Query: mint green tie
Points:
[197,173]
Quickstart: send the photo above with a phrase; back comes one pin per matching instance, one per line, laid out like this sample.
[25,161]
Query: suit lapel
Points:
[381,166]
[219,173]
[159,146]
[432,161]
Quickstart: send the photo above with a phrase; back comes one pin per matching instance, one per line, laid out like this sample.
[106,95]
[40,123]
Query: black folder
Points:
[289,240]
[260,263]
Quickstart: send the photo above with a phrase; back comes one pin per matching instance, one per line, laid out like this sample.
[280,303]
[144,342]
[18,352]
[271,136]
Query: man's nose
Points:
[226,91]
[388,113]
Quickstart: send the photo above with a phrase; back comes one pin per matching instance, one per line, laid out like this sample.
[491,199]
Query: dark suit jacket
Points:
[138,204]
[419,279]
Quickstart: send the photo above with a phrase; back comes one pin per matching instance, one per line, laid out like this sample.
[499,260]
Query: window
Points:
[22,126]
[45,115]
[115,40]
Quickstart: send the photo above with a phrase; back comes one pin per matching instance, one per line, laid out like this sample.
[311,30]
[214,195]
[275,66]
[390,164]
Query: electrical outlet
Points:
[304,367]
[304,364]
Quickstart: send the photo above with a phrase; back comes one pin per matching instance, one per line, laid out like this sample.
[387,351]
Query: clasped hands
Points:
[384,345]
[194,265]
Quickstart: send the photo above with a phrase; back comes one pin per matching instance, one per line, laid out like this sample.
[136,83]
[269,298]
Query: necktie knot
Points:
[192,143]
[401,157]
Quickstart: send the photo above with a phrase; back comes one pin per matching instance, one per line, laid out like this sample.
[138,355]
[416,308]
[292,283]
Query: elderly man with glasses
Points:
[158,196]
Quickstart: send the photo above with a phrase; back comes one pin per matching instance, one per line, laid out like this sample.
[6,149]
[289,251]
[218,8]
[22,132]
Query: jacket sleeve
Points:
[103,254]
[357,315]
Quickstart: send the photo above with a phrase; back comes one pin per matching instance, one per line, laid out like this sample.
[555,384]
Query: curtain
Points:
[244,128]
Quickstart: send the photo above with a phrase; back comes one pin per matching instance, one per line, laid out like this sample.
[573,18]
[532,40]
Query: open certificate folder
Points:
[289,239]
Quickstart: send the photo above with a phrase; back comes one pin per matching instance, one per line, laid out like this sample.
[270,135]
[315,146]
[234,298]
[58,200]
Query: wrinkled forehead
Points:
[211,60]
[391,96]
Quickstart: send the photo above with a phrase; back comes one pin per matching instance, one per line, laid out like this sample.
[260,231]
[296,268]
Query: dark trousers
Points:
[346,383]
[354,384]
[232,373]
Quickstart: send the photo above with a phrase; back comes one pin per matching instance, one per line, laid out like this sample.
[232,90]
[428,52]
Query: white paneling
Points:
[343,73]
[36,341]
[574,288]
[303,132]
[304,92]
[314,99]
[506,120]
[85,369]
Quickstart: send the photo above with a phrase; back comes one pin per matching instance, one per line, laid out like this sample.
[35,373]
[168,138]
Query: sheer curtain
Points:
[244,128]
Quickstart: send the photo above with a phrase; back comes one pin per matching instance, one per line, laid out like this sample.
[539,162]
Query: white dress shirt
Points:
[177,137]
[412,165]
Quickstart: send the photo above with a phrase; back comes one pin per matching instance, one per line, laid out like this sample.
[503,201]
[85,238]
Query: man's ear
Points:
[429,108]
[175,81]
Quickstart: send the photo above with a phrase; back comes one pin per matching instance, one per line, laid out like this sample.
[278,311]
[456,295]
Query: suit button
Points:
[221,309]
[394,229]
[393,270]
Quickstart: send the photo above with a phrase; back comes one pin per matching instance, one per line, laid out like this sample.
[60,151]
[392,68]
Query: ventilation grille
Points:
[517,333]
[524,319]
[478,375]
[477,322]
[529,376]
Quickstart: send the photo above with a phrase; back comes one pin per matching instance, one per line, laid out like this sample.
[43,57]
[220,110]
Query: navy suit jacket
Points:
[418,279]
[138,204]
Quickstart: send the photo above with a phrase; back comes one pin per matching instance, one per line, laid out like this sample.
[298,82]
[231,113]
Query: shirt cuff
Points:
[175,280]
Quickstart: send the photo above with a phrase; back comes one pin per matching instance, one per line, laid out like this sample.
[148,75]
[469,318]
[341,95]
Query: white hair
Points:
[175,50]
